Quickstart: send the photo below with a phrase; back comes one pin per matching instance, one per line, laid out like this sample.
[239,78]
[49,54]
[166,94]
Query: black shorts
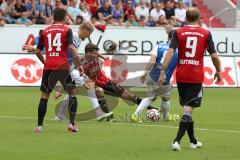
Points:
[190,94]
[51,77]
[113,89]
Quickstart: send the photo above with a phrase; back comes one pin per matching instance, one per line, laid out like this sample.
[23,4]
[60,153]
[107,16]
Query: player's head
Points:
[59,15]
[192,15]
[85,29]
[91,48]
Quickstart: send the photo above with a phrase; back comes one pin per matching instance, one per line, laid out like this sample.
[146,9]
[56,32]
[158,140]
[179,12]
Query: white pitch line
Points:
[173,127]
[132,124]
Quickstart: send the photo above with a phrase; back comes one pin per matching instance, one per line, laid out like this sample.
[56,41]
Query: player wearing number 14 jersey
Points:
[191,41]
[57,39]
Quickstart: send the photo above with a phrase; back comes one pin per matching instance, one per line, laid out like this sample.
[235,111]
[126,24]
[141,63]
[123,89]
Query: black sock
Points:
[190,132]
[136,100]
[183,126]
[103,104]
[42,109]
[72,108]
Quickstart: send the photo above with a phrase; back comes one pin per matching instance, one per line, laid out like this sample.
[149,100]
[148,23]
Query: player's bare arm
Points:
[217,64]
[149,66]
[32,49]
[40,56]
[29,48]
[215,59]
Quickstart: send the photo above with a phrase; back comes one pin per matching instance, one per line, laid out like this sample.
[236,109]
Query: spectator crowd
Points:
[149,13]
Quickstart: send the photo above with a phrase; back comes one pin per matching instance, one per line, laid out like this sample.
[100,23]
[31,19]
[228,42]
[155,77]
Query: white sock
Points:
[94,102]
[92,98]
[143,105]
[63,107]
[165,108]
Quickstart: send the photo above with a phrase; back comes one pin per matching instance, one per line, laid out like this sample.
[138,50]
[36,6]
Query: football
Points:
[153,115]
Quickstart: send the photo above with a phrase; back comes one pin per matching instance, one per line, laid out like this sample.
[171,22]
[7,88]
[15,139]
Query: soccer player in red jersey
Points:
[191,41]
[57,39]
[92,69]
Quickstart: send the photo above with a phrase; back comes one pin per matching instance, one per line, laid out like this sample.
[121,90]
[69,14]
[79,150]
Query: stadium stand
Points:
[207,13]
[148,13]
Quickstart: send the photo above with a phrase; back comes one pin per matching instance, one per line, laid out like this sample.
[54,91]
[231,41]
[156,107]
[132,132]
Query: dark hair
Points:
[90,47]
[192,14]
[59,15]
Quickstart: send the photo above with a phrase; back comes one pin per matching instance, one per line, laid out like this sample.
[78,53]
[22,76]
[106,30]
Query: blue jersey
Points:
[160,51]
[76,43]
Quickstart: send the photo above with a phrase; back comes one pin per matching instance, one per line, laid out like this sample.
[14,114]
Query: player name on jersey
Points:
[189,61]
[54,54]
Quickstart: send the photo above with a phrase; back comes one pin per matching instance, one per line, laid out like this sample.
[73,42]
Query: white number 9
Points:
[191,44]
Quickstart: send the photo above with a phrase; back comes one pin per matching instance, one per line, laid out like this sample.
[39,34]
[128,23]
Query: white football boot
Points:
[194,146]
[176,146]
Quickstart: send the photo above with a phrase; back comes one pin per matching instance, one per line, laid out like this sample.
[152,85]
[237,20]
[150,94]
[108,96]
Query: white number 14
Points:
[191,44]
[56,42]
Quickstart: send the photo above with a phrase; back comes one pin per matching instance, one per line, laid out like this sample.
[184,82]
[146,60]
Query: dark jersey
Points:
[191,41]
[55,39]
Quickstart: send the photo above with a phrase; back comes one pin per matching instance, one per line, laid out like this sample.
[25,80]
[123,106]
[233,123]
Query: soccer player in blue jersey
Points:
[151,76]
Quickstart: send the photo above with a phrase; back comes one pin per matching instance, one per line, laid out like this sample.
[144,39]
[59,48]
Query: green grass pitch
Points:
[217,125]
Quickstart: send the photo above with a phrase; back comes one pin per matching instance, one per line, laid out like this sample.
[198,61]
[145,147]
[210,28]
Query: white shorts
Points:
[154,89]
[79,80]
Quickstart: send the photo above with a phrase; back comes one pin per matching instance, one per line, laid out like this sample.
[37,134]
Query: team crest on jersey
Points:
[26,70]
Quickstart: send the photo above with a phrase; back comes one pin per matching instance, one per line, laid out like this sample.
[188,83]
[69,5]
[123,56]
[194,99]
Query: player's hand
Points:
[217,77]
[81,70]
[57,95]
[29,48]
[162,78]
[143,78]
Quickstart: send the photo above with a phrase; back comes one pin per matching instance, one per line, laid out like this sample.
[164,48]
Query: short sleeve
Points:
[210,44]
[69,37]
[40,44]
[173,43]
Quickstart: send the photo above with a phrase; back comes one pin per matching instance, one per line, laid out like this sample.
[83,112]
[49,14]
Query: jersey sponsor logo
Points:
[26,70]
[193,34]
[164,46]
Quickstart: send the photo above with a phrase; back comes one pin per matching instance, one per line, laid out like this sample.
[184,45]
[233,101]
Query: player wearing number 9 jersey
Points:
[191,41]
[57,39]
